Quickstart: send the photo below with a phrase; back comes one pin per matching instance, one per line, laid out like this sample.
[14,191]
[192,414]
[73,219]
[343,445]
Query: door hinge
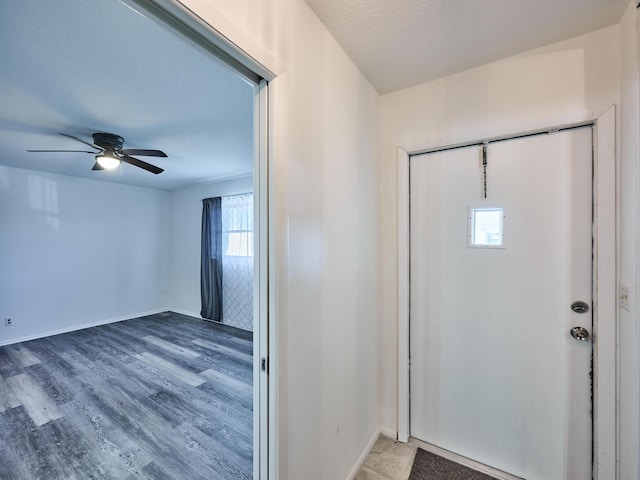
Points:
[264,365]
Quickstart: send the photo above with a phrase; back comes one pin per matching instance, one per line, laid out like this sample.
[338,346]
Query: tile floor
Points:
[387,460]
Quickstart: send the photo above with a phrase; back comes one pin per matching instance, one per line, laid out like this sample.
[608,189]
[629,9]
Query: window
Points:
[237,225]
[237,260]
[486,227]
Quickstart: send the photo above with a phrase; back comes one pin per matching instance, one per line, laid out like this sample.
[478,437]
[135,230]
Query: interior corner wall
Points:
[186,221]
[323,177]
[563,83]
[629,248]
[76,252]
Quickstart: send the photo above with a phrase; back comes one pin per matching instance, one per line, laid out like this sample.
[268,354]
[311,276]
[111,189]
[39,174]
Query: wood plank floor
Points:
[159,397]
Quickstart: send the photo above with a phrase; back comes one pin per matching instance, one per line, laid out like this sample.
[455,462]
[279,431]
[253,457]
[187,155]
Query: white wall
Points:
[628,258]
[324,174]
[186,219]
[563,83]
[77,252]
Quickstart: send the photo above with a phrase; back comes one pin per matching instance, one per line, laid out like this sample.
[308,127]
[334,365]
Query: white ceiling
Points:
[401,43]
[79,67]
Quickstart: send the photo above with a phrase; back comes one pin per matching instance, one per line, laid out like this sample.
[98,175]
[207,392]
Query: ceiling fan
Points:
[110,153]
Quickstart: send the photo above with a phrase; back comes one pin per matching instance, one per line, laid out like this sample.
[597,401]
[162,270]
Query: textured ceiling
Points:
[78,67]
[401,43]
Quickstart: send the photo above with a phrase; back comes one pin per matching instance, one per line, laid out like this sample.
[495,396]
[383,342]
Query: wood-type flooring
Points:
[162,397]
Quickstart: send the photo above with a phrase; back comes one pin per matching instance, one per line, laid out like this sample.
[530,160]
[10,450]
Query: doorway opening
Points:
[185,24]
[125,243]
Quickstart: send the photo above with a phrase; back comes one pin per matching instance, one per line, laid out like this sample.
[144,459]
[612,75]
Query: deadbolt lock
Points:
[580,307]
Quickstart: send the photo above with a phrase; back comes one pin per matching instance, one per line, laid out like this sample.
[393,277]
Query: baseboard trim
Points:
[75,328]
[363,455]
[387,432]
[185,312]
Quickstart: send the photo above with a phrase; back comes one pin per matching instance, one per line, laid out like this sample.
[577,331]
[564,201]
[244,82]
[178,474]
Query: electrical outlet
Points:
[8,322]
[623,298]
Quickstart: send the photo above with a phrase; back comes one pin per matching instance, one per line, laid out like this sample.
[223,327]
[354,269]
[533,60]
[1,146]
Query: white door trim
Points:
[605,331]
[605,299]
[403,294]
[261,280]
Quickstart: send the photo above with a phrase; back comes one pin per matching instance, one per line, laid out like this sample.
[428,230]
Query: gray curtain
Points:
[211,259]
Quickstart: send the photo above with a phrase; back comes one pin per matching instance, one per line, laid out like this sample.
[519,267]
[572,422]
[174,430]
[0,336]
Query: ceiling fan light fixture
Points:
[111,154]
[108,160]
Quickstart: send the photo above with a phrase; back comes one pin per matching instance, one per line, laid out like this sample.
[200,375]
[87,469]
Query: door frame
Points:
[604,287]
[175,16]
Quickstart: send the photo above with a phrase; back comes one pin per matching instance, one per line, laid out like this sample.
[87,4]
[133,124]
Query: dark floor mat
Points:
[429,466]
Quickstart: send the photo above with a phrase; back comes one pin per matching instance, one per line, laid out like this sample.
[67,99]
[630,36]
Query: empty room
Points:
[127,284]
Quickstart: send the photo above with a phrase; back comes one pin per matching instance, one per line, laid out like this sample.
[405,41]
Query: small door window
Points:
[486,227]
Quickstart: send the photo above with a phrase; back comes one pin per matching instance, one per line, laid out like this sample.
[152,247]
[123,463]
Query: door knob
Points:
[580,333]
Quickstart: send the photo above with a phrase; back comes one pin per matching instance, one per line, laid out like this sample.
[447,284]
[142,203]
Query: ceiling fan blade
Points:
[82,141]
[97,166]
[139,163]
[74,151]
[145,153]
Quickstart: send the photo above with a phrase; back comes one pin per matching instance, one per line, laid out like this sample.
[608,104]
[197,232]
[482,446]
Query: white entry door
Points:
[495,374]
